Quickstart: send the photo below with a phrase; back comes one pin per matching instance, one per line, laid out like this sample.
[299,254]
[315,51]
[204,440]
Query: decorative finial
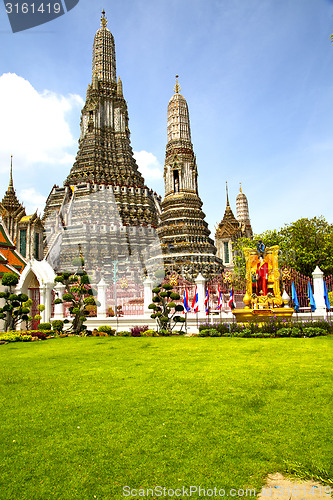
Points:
[240,187]
[104,21]
[226,188]
[177,86]
[11,185]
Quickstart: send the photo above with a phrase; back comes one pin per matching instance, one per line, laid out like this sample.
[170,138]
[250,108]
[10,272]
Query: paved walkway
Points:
[279,487]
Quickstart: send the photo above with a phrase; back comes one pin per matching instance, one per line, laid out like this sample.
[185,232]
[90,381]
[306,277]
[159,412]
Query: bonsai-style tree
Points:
[16,307]
[165,309]
[79,294]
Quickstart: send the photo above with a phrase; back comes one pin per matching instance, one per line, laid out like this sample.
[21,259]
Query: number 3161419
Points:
[32,8]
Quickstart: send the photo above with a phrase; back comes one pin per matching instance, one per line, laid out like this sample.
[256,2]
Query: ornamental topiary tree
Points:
[79,294]
[16,307]
[165,309]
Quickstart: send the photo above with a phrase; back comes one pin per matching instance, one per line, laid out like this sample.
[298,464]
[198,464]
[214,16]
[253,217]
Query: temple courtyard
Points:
[115,417]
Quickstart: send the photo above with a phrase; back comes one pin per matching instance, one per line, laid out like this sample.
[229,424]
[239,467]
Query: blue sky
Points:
[257,76]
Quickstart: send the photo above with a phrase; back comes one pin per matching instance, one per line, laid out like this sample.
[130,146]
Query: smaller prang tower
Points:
[183,231]
[231,228]
[242,210]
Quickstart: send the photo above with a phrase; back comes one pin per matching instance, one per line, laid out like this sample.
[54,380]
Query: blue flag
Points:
[327,300]
[185,300]
[294,297]
[311,298]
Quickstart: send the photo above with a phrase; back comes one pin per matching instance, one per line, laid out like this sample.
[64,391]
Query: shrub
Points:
[90,301]
[124,333]
[44,326]
[149,333]
[68,297]
[164,333]
[41,335]
[313,331]
[214,333]
[224,329]
[36,333]
[325,325]
[9,279]
[295,332]
[85,279]
[12,337]
[58,325]
[284,332]
[137,330]
[106,329]
[204,333]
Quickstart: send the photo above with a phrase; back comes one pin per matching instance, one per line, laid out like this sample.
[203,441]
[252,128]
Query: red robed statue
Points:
[262,276]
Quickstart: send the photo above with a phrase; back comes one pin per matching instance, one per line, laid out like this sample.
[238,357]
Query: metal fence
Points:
[129,296]
[301,286]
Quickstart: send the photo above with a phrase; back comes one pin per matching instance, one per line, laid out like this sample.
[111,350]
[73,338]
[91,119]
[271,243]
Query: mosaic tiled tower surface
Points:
[185,237]
[104,207]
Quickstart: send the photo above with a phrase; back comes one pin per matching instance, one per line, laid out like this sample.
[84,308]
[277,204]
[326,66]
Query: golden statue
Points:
[263,295]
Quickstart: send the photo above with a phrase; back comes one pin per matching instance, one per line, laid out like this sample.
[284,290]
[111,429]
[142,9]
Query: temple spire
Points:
[226,188]
[10,201]
[242,210]
[104,54]
[178,117]
[11,184]
[104,21]
[177,87]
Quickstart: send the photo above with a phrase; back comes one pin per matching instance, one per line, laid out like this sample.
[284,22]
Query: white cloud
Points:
[148,165]
[33,125]
[32,200]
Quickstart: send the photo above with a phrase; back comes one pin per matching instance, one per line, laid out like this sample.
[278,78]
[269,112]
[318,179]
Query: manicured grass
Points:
[83,417]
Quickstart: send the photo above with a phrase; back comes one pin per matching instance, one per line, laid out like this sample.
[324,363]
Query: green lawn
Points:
[83,417]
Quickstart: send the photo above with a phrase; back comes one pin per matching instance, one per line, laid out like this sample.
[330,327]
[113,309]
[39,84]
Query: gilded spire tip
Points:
[104,21]
[177,86]
[240,187]
[11,185]
[226,188]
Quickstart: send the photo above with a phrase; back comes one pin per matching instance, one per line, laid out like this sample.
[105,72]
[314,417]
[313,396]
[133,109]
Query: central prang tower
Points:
[183,231]
[105,154]
[104,209]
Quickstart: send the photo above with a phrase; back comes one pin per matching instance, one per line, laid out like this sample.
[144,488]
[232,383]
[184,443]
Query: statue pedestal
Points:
[247,315]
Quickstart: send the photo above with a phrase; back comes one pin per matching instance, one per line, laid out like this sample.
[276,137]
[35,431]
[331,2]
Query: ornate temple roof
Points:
[229,225]
[11,260]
